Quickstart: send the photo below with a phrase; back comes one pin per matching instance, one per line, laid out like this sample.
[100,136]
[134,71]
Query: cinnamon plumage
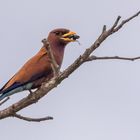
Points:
[36,70]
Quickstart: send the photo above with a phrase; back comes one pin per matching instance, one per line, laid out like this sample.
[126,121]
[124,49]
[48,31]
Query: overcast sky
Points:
[99,101]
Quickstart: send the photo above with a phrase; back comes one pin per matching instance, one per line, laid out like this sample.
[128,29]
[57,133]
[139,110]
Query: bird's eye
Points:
[58,33]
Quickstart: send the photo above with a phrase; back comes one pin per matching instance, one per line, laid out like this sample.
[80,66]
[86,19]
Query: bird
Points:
[38,68]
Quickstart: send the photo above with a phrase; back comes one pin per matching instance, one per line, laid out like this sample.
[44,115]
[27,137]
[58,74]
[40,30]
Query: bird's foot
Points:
[30,91]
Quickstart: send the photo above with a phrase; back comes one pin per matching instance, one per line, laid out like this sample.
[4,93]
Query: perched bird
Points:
[36,70]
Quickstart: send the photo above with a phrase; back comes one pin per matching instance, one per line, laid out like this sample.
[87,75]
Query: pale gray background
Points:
[101,100]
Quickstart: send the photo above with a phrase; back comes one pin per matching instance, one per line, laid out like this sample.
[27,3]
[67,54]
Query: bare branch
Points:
[32,119]
[54,64]
[91,58]
[57,79]
[116,23]
[104,29]
[125,21]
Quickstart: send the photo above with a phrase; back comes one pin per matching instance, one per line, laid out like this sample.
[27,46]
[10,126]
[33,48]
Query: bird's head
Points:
[62,36]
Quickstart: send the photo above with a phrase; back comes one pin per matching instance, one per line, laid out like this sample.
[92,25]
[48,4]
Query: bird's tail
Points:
[2,96]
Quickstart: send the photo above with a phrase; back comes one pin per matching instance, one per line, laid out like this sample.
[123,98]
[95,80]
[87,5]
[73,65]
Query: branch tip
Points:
[104,29]
[93,57]
[115,23]
[32,119]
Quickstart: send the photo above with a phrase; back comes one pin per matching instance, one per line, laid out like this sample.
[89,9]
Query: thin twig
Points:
[125,21]
[32,119]
[104,29]
[91,58]
[115,23]
[54,64]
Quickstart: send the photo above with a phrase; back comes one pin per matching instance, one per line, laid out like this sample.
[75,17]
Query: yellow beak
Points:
[70,37]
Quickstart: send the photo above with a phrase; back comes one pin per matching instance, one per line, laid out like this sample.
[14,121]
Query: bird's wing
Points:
[35,68]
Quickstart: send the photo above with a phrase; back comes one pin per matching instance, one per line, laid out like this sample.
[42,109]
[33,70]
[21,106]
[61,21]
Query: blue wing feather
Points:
[18,87]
